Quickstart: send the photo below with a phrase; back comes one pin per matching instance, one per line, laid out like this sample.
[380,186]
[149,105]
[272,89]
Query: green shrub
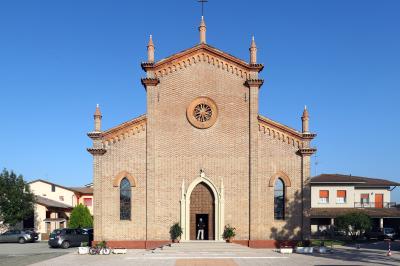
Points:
[354,224]
[80,217]
[175,231]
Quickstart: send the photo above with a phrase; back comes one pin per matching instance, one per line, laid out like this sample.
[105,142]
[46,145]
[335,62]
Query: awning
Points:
[54,220]
[372,212]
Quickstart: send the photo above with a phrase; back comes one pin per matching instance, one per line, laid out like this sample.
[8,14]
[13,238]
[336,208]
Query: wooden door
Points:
[378,200]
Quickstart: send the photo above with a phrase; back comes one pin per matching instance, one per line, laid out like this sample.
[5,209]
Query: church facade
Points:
[201,151]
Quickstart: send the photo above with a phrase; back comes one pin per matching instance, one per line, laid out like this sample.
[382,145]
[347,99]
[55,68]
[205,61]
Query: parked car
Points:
[381,233]
[68,237]
[90,233]
[33,233]
[17,236]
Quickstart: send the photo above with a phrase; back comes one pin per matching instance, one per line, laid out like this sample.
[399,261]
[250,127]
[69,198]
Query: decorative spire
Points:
[253,51]
[97,119]
[202,30]
[305,119]
[305,112]
[150,50]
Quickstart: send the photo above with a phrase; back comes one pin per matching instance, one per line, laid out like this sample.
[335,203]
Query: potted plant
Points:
[119,250]
[322,248]
[286,248]
[229,233]
[175,231]
[304,247]
[83,249]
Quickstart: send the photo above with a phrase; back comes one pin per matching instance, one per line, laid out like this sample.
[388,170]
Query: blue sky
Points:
[58,59]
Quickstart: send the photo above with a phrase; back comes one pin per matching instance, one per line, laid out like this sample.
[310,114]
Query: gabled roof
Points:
[51,203]
[83,190]
[288,130]
[206,49]
[358,181]
[137,124]
[88,190]
[50,183]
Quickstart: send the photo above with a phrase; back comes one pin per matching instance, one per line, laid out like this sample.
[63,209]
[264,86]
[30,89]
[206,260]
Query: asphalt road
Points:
[24,254]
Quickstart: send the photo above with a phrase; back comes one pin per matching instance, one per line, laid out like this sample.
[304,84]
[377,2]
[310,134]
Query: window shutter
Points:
[341,193]
[324,194]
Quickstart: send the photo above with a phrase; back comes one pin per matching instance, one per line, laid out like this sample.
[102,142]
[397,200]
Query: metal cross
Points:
[202,5]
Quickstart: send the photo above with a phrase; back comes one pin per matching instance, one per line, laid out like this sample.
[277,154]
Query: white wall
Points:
[372,192]
[352,195]
[43,189]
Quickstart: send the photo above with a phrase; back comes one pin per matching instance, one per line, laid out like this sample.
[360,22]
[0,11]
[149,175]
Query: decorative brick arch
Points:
[218,206]
[117,179]
[282,175]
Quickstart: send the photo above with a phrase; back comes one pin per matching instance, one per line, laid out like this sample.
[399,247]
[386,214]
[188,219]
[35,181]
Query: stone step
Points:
[206,247]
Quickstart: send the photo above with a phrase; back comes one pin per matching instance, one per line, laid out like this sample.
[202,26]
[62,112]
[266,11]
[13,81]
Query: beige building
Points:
[201,151]
[54,204]
[333,195]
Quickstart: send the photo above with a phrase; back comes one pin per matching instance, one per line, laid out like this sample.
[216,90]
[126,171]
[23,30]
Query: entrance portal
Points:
[202,206]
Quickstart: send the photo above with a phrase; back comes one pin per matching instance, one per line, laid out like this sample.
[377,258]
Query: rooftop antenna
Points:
[202,6]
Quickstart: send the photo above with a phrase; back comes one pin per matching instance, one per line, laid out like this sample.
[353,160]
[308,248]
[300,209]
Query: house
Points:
[334,194]
[54,204]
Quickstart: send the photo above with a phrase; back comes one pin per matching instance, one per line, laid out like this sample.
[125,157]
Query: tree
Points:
[16,199]
[80,217]
[354,223]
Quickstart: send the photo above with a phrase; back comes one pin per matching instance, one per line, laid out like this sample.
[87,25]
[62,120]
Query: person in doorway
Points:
[200,229]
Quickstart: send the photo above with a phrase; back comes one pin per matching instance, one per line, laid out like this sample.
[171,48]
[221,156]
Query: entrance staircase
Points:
[203,248]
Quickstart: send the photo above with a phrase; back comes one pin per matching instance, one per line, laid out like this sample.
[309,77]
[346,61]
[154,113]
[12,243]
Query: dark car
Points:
[90,233]
[381,233]
[68,237]
[33,233]
[17,236]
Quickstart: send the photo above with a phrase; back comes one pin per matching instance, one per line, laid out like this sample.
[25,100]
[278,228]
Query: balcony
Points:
[375,205]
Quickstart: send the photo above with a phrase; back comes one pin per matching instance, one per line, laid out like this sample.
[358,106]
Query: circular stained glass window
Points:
[202,112]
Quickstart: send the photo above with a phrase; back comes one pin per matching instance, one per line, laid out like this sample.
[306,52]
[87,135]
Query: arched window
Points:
[279,200]
[125,199]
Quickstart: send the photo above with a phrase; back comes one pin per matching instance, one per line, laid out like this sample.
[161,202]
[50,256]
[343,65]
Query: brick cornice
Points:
[123,130]
[94,135]
[307,151]
[254,82]
[96,151]
[283,128]
[309,135]
[202,53]
[147,65]
[257,67]
[210,50]
[149,81]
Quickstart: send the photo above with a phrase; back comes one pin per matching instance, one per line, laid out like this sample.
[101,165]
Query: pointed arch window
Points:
[279,199]
[125,195]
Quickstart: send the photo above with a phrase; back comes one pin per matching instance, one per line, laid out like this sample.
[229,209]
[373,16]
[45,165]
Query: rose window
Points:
[202,112]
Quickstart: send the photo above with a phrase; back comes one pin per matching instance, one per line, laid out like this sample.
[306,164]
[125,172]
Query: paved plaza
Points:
[369,254]
[25,254]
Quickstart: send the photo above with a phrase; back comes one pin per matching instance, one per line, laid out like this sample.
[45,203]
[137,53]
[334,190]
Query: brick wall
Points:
[181,150]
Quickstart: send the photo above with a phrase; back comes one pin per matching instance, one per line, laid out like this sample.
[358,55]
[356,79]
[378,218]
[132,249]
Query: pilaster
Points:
[254,186]
[306,190]
[150,85]
[97,150]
